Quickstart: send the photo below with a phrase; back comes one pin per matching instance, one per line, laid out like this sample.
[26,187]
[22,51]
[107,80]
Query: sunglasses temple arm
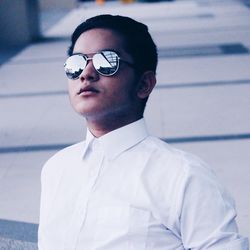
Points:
[128,63]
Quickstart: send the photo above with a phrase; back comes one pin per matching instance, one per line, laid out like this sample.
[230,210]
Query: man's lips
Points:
[87,90]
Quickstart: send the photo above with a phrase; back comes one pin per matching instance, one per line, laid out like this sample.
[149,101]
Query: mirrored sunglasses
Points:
[105,62]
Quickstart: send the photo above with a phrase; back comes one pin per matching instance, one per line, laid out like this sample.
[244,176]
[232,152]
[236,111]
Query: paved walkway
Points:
[201,102]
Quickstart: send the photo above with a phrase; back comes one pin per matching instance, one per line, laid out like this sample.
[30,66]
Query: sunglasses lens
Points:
[106,62]
[74,66]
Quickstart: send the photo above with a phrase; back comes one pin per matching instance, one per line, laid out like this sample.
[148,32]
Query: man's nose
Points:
[89,73]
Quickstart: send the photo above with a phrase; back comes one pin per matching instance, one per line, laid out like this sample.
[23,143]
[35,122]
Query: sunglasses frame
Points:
[86,58]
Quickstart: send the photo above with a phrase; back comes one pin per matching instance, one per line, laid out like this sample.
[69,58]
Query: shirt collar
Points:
[88,141]
[119,140]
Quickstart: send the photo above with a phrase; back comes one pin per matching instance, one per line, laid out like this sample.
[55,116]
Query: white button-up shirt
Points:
[130,191]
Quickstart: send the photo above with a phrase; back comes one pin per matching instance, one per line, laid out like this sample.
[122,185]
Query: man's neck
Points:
[101,127]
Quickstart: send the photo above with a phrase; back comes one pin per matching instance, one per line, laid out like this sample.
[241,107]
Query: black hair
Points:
[138,42]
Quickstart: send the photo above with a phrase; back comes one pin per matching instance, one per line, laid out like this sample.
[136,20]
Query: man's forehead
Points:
[100,39]
[96,40]
[114,36]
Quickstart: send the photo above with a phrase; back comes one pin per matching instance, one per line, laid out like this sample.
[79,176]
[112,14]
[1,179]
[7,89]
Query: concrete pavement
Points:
[201,102]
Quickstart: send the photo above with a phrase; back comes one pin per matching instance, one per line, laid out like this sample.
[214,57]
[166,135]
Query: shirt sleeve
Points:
[49,182]
[207,212]
[43,209]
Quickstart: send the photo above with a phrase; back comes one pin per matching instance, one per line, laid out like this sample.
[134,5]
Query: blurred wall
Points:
[57,4]
[19,22]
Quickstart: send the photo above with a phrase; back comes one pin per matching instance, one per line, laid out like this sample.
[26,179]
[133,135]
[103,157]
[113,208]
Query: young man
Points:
[122,189]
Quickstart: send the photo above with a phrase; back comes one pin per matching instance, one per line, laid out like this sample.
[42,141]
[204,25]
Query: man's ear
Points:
[146,84]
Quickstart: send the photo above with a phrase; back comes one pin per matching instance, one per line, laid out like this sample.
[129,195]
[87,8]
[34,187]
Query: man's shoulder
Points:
[173,158]
[64,156]
[163,148]
[70,151]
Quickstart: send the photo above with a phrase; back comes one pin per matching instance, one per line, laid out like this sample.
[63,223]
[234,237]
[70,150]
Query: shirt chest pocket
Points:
[122,227]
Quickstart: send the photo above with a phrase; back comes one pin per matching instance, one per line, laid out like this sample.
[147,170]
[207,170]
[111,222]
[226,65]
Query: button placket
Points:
[80,213]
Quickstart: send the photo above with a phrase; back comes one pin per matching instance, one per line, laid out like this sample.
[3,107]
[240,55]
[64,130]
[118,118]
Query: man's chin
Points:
[84,110]
[89,113]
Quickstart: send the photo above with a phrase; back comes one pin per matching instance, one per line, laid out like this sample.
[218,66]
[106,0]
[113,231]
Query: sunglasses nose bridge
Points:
[87,60]
[89,71]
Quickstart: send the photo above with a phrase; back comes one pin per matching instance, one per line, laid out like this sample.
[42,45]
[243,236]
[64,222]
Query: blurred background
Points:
[201,102]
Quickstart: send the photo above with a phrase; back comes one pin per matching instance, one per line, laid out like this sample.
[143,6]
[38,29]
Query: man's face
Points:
[95,96]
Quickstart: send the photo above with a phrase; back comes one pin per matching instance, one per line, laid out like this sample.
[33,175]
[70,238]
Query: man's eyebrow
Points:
[98,51]
[110,49]
[77,53]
